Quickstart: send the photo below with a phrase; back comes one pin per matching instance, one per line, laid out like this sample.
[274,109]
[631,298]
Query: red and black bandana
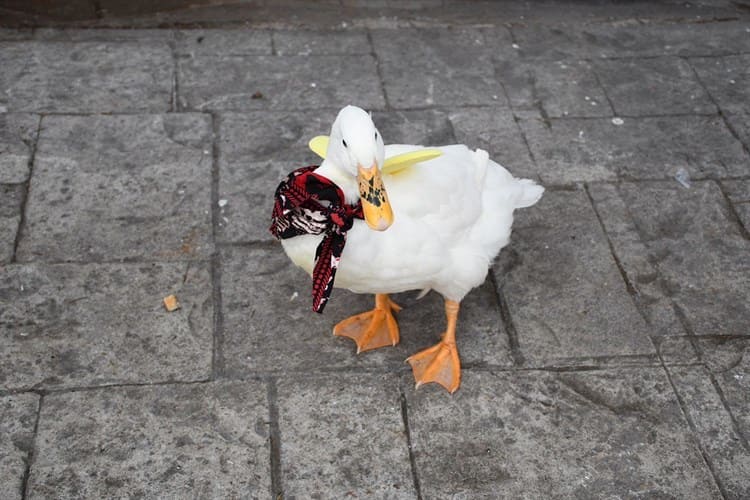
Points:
[307,203]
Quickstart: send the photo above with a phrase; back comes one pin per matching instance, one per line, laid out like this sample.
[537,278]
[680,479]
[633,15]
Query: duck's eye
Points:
[344,143]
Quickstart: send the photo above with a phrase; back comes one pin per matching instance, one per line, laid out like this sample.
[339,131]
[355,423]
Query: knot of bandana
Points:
[307,203]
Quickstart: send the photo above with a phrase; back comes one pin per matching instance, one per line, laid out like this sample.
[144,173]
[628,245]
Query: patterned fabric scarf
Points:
[307,203]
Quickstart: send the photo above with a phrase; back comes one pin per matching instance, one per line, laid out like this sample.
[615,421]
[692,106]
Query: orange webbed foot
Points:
[372,329]
[440,364]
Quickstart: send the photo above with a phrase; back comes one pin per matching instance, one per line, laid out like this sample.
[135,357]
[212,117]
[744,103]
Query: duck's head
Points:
[356,149]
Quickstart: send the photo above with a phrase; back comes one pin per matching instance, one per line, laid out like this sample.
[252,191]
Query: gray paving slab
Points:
[257,283]
[306,43]
[573,150]
[246,191]
[11,197]
[272,135]
[739,196]
[601,284]
[175,441]
[441,67]
[223,42]
[698,250]
[642,276]
[86,77]
[120,187]
[424,127]
[561,88]
[288,83]
[727,79]
[556,435]
[629,38]
[17,420]
[660,85]
[343,436]
[566,297]
[716,432]
[495,130]
[68,325]
[17,136]
[256,151]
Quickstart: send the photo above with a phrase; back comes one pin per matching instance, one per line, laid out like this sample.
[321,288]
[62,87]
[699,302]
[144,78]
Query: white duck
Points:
[439,227]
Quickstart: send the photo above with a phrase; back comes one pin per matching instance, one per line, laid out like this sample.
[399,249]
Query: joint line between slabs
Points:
[507,320]
[601,86]
[48,391]
[735,134]
[521,131]
[378,70]
[407,431]
[217,356]
[623,274]
[272,37]
[451,128]
[175,76]
[733,215]
[274,432]
[696,435]
[26,192]
[31,456]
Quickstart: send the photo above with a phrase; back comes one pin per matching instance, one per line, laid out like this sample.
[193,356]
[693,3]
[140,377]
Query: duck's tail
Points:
[529,194]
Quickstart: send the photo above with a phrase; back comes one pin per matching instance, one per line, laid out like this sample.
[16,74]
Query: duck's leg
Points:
[440,362]
[372,329]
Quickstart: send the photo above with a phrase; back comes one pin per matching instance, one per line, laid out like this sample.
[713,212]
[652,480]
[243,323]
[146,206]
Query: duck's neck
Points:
[342,179]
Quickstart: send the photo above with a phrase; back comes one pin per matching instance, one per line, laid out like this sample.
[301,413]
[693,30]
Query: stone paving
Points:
[606,356]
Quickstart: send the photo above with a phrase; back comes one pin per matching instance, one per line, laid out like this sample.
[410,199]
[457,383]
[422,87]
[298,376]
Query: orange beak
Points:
[375,204]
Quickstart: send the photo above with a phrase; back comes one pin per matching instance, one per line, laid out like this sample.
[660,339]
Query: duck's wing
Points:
[444,193]
[393,164]
[319,145]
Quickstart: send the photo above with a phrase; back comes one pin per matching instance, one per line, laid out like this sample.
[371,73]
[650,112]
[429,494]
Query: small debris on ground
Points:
[257,95]
[617,121]
[170,303]
[683,177]
[223,203]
